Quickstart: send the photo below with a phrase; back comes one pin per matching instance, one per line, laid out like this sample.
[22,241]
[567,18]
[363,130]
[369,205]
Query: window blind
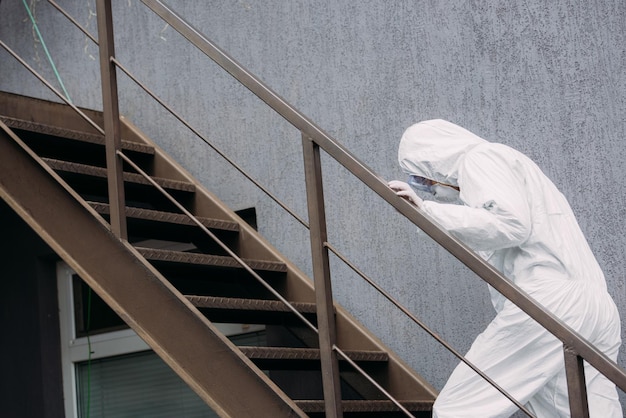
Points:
[135,386]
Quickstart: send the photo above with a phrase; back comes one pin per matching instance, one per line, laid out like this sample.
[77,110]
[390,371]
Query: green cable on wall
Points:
[54,68]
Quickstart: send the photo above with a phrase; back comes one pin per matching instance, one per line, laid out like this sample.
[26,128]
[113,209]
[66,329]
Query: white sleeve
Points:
[497,215]
[481,228]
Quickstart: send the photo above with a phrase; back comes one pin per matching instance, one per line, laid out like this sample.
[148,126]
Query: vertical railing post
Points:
[110,110]
[321,278]
[576,387]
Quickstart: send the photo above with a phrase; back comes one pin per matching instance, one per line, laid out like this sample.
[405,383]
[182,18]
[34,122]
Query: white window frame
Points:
[76,350]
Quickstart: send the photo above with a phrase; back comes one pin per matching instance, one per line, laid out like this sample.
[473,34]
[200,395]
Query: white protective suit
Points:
[516,219]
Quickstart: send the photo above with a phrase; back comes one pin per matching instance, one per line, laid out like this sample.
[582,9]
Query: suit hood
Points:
[434,149]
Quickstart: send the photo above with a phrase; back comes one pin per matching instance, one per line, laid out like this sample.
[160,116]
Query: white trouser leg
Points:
[514,351]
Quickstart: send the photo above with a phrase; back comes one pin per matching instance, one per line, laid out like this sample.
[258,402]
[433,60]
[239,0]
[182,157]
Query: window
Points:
[122,377]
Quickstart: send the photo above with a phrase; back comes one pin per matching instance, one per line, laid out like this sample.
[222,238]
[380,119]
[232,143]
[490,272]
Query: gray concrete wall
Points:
[548,78]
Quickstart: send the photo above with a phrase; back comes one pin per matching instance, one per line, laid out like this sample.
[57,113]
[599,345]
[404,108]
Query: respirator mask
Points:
[441,192]
[444,193]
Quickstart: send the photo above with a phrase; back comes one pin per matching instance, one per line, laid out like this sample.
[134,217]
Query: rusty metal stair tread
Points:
[153,254]
[213,302]
[317,406]
[72,134]
[167,217]
[290,353]
[101,172]
[251,310]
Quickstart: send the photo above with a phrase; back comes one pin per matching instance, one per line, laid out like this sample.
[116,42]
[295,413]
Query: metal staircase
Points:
[54,175]
[101,195]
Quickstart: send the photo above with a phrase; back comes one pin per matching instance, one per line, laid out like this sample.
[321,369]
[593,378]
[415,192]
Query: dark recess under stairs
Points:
[208,278]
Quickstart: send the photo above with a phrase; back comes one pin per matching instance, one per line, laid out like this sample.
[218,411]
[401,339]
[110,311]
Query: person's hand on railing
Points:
[405,191]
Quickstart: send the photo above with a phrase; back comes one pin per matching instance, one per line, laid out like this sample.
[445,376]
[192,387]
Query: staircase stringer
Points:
[134,289]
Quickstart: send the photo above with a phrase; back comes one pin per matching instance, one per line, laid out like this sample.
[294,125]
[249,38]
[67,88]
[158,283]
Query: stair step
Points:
[182,257]
[365,406]
[212,302]
[168,217]
[251,311]
[300,359]
[289,353]
[89,170]
[72,134]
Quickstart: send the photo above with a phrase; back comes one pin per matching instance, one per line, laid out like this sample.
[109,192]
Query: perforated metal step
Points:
[72,134]
[252,311]
[211,302]
[100,172]
[168,217]
[288,353]
[182,257]
[366,406]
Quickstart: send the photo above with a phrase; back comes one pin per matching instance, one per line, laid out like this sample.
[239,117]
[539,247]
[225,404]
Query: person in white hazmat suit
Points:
[516,219]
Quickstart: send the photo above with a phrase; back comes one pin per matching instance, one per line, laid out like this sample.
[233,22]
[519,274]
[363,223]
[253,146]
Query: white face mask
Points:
[445,194]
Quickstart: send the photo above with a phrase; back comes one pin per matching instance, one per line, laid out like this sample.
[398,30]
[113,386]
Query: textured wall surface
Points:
[548,78]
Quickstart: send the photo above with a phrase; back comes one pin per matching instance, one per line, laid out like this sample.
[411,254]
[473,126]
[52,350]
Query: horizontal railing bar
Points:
[51,87]
[454,246]
[426,328]
[74,21]
[250,270]
[206,141]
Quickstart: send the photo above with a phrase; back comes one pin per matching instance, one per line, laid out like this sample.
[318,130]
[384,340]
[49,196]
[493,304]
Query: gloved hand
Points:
[405,191]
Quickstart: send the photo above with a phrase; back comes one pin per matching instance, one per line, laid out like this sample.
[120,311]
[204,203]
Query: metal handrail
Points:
[571,339]
[573,342]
